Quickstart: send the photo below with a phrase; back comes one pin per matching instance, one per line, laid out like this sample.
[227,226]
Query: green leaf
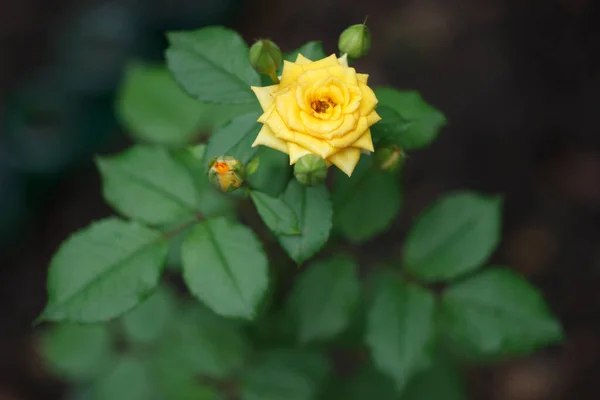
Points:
[441,381]
[312,50]
[156,110]
[313,208]
[497,313]
[129,380]
[201,343]
[367,383]
[365,204]
[400,329]
[103,271]
[146,184]
[407,119]
[324,298]
[285,375]
[273,173]
[276,214]
[454,236]
[235,139]
[212,65]
[210,200]
[225,267]
[148,320]
[77,352]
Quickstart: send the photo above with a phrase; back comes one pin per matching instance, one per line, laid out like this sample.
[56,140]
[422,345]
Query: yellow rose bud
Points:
[320,107]
[265,58]
[355,41]
[310,170]
[389,159]
[226,173]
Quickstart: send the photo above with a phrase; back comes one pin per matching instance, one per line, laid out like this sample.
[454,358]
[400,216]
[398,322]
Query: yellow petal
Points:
[345,74]
[266,138]
[265,116]
[320,127]
[373,118]
[362,78]
[346,160]
[313,76]
[288,110]
[369,100]
[354,99]
[290,73]
[326,62]
[365,142]
[296,152]
[263,94]
[349,138]
[343,60]
[300,59]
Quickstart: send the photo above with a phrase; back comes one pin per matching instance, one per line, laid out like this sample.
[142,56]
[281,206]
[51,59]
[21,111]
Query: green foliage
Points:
[276,214]
[285,374]
[407,120]
[212,65]
[146,184]
[77,352]
[313,208]
[225,267]
[324,298]
[156,110]
[103,271]
[400,329]
[496,313]
[453,237]
[373,195]
[244,323]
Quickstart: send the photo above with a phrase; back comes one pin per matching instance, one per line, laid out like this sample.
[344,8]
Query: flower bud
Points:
[389,158]
[265,58]
[226,173]
[310,170]
[355,41]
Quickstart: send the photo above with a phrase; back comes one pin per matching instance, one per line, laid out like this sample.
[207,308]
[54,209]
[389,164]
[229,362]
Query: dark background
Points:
[518,80]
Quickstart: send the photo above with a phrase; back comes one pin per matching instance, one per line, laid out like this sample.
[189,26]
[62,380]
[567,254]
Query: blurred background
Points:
[519,81]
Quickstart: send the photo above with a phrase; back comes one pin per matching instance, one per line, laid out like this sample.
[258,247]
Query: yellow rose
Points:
[322,107]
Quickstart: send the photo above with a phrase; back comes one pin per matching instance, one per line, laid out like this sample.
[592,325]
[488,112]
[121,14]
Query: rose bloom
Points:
[322,107]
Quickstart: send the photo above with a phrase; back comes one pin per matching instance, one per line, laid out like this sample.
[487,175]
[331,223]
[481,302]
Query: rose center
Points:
[321,106]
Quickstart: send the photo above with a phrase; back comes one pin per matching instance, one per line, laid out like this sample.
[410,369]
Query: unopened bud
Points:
[226,173]
[265,58]
[389,159]
[355,41]
[310,170]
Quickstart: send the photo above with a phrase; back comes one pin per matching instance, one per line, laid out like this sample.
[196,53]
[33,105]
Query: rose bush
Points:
[319,107]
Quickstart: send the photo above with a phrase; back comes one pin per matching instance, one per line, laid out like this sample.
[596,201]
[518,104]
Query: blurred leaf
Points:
[285,375]
[225,267]
[497,313]
[312,50]
[148,320]
[156,110]
[313,208]
[365,204]
[441,381]
[324,298]
[454,236]
[146,184]
[234,139]
[211,201]
[273,172]
[367,383]
[200,343]
[407,120]
[212,65]
[129,380]
[275,213]
[400,329]
[104,270]
[77,352]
